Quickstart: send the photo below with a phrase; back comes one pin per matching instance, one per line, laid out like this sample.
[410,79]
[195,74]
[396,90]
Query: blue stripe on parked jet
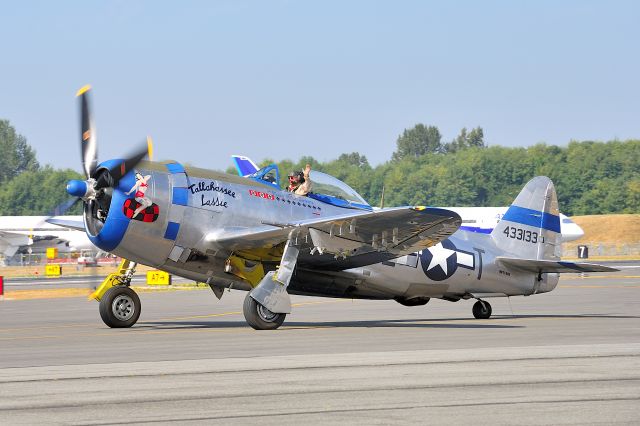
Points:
[533,218]
[477,229]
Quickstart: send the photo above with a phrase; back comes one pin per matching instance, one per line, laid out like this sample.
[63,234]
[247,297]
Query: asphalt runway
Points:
[571,356]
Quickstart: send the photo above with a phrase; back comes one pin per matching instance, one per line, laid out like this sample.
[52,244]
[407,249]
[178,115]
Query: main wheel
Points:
[481,309]
[120,307]
[259,317]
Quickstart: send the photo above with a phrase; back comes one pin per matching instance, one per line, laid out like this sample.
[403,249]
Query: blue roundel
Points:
[77,188]
[439,262]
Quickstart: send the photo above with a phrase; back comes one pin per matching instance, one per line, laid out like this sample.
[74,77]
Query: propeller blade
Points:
[88,143]
[122,168]
[64,207]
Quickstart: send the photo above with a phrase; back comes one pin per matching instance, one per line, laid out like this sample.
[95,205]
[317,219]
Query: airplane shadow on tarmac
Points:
[445,323]
[288,325]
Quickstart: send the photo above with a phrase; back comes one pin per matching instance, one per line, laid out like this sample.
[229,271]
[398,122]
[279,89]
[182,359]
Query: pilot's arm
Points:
[305,187]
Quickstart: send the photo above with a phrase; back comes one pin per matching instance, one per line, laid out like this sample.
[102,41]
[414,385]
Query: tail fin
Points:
[531,226]
[244,165]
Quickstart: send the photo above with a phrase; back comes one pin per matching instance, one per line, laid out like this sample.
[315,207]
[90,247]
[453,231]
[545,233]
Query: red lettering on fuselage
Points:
[261,194]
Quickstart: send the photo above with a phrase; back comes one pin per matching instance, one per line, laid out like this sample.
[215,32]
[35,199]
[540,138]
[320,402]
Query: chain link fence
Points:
[38,259]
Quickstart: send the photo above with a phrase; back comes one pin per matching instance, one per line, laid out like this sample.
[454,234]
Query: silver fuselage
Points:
[194,205]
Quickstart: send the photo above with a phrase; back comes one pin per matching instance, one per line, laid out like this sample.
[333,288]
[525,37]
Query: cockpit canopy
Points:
[324,188]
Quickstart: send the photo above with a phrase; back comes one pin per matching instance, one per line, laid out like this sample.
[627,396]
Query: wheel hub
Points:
[266,314]
[123,307]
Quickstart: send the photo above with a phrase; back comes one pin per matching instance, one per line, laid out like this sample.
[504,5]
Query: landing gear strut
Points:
[119,305]
[481,309]
[268,303]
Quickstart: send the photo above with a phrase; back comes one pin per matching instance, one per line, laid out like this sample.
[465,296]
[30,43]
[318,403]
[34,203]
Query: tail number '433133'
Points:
[521,234]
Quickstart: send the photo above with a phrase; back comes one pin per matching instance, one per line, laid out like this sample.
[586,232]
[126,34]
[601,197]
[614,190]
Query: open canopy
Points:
[324,188]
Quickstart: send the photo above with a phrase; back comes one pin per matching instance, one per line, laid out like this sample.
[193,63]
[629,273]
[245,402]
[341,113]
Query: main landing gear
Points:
[481,309]
[267,305]
[119,305]
[259,317]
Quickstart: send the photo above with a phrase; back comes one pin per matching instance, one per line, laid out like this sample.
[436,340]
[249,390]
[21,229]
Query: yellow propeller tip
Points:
[83,90]
[150,147]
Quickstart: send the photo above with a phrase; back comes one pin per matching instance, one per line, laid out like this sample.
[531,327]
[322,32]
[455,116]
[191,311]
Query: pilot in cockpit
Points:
[299,182]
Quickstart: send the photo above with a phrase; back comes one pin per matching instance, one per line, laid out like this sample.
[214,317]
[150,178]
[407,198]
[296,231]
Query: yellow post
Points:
[52,252]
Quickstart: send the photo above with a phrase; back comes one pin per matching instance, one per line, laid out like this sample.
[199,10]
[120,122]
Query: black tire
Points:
[259,317]
[481,310]
[120,307]
[414,301]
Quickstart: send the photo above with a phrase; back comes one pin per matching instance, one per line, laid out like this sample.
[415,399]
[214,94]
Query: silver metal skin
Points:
[207,219]
[272,294]
[226,206]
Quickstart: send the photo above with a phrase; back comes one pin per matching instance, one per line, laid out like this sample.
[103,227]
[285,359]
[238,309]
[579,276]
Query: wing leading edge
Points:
[10,242]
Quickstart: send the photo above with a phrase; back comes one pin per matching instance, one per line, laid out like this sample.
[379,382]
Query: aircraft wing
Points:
[350,240]
[11,242]
[77,225]
[550,266]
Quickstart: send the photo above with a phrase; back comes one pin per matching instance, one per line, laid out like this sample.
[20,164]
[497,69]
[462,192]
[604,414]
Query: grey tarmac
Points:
[571,356]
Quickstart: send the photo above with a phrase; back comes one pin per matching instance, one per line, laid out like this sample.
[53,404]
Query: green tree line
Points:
[26,187]
[591,177]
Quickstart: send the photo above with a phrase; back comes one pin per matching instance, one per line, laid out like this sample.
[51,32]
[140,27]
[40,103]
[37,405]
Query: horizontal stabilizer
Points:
[65,223]
[551,266]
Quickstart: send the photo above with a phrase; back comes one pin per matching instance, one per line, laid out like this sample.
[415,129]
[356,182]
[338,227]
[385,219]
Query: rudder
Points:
[531,226]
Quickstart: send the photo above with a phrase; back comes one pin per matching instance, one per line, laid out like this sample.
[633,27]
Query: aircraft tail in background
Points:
[244,165]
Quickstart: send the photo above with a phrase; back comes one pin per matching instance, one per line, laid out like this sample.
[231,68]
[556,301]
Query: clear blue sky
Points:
[282,79]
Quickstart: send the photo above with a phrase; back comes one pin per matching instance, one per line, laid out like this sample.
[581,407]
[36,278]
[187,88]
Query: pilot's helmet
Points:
[297,174]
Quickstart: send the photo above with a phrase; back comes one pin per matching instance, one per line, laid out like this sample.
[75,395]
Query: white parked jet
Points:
[35,235]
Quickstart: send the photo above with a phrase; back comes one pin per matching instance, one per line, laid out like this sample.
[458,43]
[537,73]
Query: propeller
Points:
[96,181]
[63,207]
[89,148]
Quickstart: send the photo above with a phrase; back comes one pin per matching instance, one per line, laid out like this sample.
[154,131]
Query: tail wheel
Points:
[481,309]
[120,307]
[259,317]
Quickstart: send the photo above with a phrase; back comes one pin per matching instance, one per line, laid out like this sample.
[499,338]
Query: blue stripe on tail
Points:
[533,218]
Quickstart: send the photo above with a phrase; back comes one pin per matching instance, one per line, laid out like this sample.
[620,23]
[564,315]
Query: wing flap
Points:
[550,266]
